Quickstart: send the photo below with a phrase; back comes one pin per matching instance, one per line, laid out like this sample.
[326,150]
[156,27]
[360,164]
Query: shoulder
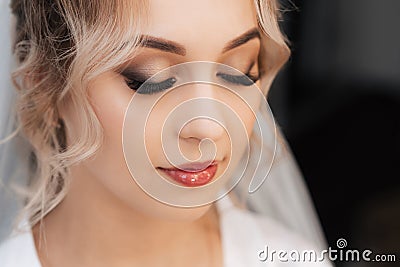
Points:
[262,229]
[18,251]
[258,236]
[257,226]
[285,247]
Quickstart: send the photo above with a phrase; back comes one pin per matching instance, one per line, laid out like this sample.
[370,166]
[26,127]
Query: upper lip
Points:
[192,166]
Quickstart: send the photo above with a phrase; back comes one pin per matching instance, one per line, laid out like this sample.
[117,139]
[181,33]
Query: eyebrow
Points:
[176,48]
[242,39]
[163,45]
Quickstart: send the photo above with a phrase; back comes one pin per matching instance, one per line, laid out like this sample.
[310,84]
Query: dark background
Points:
[338,102]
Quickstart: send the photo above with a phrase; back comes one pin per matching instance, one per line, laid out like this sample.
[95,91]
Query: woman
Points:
[126,175]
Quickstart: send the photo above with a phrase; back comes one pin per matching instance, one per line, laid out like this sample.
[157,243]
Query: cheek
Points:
[109,103]
[247,116]
[246,107]
[109,99]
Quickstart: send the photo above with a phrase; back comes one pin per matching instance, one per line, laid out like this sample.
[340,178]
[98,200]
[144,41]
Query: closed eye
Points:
[245,80]
[149,88]
[143,85]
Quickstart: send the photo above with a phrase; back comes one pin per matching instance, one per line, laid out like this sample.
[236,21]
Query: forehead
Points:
[200,23]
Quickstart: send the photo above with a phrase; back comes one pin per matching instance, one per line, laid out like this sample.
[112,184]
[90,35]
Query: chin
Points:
[165,212]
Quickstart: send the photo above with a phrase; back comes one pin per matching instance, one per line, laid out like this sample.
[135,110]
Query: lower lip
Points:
[192,179]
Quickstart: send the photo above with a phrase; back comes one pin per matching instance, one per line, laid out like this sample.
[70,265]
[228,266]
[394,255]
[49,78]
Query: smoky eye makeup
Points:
[244,80]
[142,85]
[141,78]
[251,76]
[141,81]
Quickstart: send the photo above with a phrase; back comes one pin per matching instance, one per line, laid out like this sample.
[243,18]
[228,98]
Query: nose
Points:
[202,128]
[209,125]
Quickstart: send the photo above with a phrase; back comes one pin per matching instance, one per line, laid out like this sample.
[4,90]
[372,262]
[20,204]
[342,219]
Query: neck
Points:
[93,227]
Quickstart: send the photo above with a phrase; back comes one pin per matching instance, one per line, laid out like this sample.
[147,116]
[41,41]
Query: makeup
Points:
[191,175]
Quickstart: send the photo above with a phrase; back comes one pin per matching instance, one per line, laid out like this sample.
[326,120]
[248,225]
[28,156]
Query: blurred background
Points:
[338,102]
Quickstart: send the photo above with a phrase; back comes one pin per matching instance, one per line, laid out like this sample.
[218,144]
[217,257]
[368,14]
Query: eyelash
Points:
[150,88]
[134,82]
[246,80]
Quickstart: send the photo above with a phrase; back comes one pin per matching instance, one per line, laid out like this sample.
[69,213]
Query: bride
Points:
[150,141]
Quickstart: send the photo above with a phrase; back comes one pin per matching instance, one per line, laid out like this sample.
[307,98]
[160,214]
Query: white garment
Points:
[244,234]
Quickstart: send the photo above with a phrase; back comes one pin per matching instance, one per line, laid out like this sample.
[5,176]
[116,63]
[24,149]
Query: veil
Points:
[283,196]
[13,151]
[7,204]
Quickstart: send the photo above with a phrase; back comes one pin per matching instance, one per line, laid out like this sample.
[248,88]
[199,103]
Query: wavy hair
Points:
[61,46]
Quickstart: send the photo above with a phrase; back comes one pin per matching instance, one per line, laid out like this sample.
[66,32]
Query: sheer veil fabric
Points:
[283,196]
[13,151]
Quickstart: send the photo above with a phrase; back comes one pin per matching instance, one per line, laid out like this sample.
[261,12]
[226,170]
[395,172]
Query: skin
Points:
[106,219]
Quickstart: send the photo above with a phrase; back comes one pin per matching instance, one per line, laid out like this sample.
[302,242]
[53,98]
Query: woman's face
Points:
[179,31]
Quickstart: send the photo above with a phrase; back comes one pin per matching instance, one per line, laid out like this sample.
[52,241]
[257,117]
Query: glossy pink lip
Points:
[193,174]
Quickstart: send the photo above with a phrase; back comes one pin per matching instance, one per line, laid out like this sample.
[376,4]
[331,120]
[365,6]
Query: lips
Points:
[193,174]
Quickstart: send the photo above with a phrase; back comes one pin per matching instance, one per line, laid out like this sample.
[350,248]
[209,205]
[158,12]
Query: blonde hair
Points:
[61,46]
